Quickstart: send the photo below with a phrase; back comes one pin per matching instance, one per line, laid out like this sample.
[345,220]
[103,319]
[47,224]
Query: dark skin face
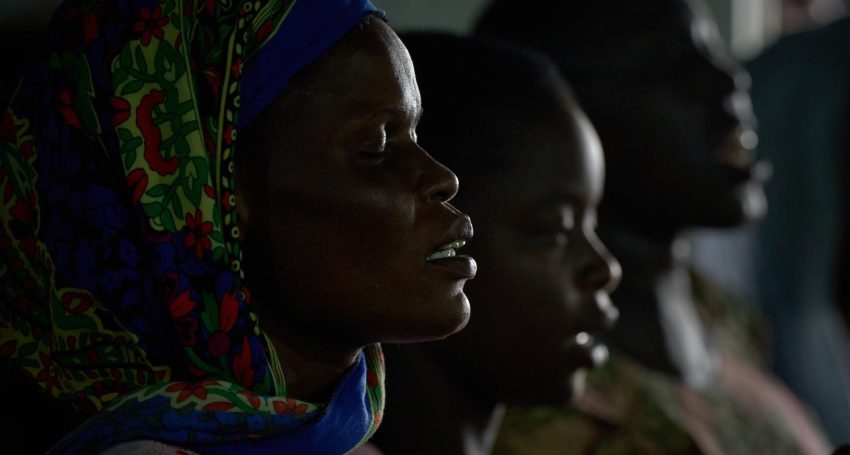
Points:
[339,225]
[682,118]
[674,114]
[546,276]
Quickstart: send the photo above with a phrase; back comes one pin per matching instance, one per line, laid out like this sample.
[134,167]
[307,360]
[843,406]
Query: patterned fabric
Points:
[120,279]
[619,413]
[628,408]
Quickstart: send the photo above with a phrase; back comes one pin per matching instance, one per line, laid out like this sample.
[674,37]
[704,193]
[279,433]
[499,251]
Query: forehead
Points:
[637,31]
[368,69]
[680,40]
[554,161]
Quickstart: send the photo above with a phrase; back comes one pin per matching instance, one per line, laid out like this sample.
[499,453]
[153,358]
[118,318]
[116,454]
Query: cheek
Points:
[345,256]
[532,291]
[363,232]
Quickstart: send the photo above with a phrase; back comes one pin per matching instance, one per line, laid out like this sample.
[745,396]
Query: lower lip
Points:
[589,354]
[461,266]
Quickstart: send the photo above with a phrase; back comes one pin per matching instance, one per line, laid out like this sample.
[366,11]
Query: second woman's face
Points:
[357,229]
[545,278]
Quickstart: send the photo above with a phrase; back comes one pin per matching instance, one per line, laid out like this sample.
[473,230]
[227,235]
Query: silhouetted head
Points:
[533,173]
[671,108]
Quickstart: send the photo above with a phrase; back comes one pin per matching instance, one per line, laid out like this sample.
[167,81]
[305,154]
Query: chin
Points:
[576,384]
[735,207]
[749,205]
[440,319]
[753,202]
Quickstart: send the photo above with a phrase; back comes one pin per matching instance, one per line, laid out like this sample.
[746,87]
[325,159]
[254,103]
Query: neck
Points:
[311,367]
[429,412]
[659,324]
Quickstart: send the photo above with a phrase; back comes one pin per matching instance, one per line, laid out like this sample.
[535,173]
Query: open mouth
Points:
[739,150]
[446,251]
[585,351]
[447,260]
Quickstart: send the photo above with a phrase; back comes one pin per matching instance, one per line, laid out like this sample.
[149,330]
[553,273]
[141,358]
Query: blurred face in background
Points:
[674,114]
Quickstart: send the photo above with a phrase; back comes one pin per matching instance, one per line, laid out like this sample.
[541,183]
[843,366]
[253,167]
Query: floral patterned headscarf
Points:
[121,284]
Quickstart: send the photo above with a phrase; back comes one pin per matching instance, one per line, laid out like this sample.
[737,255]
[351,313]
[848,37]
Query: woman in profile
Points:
[533,174]
[212,213]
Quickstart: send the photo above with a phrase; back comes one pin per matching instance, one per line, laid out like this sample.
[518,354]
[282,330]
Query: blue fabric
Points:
[347,417]
[312,28]
[338,429]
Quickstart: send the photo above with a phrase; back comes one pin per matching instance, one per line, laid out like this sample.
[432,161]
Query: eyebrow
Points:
[387,114]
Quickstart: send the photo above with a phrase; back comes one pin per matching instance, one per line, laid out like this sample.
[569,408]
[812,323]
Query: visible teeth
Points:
[456,244]
[447,253]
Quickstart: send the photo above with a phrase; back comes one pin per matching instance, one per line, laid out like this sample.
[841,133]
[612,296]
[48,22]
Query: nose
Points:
[436,182]
[726,73]
[732,84]
[599,277]
[601,271]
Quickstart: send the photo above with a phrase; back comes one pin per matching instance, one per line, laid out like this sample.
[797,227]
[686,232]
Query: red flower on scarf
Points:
[151,134]
[75,302]
[189,389]
[227,200]
[122,110]
[198,235]
[264,31]
[137,179]
[66,110]
[252,399]
[230,134]
[219,406]
[150,24]
[229,311]
[290,407]
[242,370]
[181,305]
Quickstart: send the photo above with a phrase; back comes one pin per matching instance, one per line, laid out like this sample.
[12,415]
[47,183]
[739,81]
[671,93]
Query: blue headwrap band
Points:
[295,46]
